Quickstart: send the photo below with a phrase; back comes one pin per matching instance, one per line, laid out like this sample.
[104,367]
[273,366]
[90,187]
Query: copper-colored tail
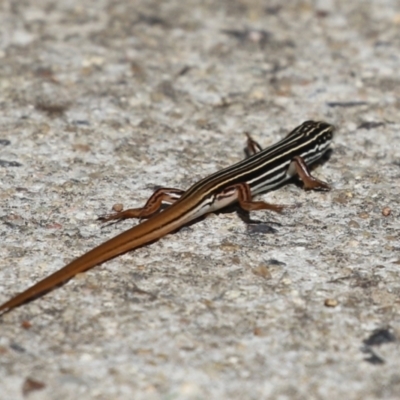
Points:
[128,240]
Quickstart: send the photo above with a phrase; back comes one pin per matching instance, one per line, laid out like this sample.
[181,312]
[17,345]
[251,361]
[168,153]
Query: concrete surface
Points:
[103,100]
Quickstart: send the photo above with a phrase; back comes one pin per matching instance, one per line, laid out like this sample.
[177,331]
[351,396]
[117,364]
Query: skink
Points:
[261,171]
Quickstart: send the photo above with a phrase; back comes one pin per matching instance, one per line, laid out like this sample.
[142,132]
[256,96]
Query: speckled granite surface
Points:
[103,100]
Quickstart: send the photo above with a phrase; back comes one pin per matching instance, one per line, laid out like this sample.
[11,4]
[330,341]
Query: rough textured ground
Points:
[101,101]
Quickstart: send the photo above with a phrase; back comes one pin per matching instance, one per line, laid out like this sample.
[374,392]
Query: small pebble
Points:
[353,224]
[118,207]
[330,302]
[363,215]
[31,385]
[386,211]
[26,324]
